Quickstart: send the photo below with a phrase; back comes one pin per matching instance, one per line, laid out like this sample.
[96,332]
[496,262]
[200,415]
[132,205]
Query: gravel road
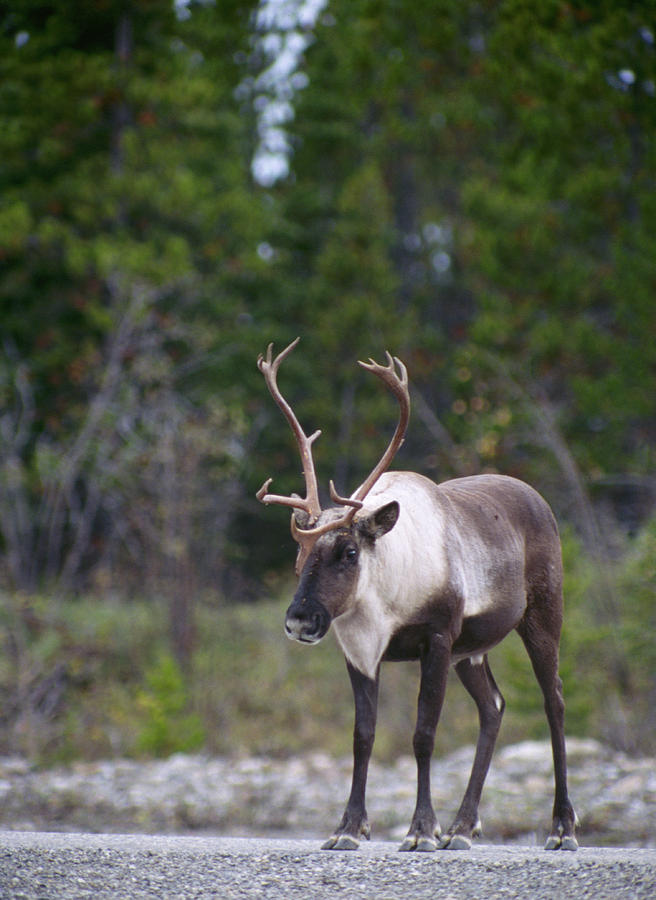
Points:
[41,866]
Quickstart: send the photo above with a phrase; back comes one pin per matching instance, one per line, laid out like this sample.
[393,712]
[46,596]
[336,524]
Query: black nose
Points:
[306,622]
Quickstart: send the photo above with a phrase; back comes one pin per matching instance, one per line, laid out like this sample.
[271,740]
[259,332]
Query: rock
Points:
[614,795]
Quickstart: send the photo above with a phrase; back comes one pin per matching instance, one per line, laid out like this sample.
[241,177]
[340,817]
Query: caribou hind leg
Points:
[477,679]
[540,634]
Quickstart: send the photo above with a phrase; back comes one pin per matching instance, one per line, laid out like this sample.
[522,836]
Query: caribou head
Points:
[331,541]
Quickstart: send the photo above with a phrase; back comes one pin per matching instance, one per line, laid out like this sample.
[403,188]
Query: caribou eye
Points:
[351,554]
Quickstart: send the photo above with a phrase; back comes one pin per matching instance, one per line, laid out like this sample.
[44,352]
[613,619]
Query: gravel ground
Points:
[44,866]
[614,795]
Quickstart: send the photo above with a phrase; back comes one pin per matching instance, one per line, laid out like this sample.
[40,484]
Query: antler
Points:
[399,387]
[310,503]
[306,537]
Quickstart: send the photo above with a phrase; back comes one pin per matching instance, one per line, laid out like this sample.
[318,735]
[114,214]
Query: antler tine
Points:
[269,366]
[398,384]
[266,364]
[294,500]
[343,501]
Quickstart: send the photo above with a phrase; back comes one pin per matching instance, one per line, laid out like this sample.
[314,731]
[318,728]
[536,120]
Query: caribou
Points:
[408,569]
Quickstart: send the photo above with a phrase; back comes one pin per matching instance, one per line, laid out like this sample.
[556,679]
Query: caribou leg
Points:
[541,636]
[435,662]
[477,679]
[354,824]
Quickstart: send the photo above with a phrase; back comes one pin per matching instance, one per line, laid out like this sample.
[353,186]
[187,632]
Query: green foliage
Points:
[637,589]
[557,219]
[167,725]
[95,677]
[65,668]
[128,245]
[528,163]
[472,188]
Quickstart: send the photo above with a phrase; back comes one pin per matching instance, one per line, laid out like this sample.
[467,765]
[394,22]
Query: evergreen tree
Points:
[129,234]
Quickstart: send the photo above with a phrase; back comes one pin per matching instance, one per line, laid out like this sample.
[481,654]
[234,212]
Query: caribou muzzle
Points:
[306,621]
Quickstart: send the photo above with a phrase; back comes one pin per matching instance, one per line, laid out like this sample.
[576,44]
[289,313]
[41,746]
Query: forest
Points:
[468,184]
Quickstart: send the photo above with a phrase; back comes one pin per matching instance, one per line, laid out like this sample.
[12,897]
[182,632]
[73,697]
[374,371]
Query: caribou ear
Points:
[378,523]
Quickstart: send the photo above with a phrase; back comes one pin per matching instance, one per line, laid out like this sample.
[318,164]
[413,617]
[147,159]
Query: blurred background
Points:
[470,185]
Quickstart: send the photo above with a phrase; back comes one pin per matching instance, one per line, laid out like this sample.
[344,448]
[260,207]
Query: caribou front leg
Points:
[434,670]
[354,824]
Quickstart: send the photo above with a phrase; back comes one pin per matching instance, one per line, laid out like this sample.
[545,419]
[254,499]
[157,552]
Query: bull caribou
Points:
[407,569]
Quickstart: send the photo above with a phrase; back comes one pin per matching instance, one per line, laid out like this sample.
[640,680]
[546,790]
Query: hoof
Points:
[408,844]
[341,842]
[421,844]
[455,842]
[426,845]
[556,842]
